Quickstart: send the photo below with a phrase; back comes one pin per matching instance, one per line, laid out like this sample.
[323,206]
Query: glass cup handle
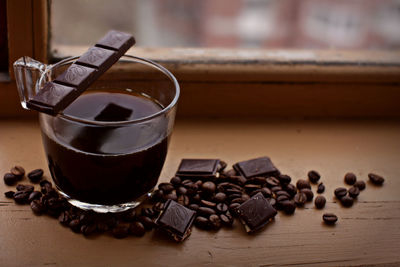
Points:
[28,72]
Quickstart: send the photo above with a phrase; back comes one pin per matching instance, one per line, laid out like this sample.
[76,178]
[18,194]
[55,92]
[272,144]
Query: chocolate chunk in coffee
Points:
[329,218]
[198,168]
[376,179]
[255,213]
[176,220]
[313,176]
[256,167]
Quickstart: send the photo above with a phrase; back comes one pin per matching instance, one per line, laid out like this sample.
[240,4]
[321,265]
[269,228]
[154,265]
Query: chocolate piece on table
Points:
[58,94]
[256,167]
[176,220]
[198,168]
[255,213]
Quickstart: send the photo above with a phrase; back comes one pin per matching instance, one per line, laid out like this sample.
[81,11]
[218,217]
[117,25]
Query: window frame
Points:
[237,82]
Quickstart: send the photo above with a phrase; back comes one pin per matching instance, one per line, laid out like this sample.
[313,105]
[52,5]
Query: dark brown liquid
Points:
[107,165]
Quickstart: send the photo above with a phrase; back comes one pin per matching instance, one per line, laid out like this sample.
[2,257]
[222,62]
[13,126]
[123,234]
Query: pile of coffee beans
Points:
[215,200]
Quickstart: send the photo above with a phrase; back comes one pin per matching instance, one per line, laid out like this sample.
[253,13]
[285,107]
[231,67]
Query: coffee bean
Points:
[205,211]
[186,182]
[215,222]
[147,222]
[347,201]
[222,208]
[202,222]
[272,181]
[35,175]
[226,220]
[229,173]
[284,193]
[320,202]
[158,207]
[233,208]
[89,229]
[121,230]
[239,200]
[220,197]
[288,206]
[313,176]
[300,199]
[239,180]
[276,188]
[18,171]
[64,218]
[281,198]
[9,194]
[354,192]
[10,179]
[376,179]
[102,227]
[149,212]
[37,207]
[350,178]
[196,198]
[360,184]
[25,188]
[207,203]
[74,225]
[284,179]
[21,197]
[301,184]
[308,192]
[234,196]
[191,189]
[194,206]
[340,192]
[183,200]
[34,195]
[329,218]
[321,188]
[137,229]
[233,191]
[291,189]
[166,187]
[172,196]
[181,190]
[272,201]
[45,183]
[157,195]
[176,180]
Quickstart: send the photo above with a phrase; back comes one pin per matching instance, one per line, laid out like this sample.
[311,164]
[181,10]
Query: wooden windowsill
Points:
[366,234]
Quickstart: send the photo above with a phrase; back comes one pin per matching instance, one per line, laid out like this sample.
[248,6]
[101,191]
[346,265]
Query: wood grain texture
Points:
[367,234]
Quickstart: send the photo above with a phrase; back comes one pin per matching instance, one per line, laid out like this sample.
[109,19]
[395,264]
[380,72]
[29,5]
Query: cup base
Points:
[101,208]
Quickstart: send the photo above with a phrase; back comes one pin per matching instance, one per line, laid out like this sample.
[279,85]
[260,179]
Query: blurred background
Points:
[302,24]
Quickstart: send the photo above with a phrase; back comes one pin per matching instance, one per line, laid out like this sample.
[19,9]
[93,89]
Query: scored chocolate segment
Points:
[77,76]
[255,213]
[176,220]
[97,57]
[256,167]
[198,167]
[116,40]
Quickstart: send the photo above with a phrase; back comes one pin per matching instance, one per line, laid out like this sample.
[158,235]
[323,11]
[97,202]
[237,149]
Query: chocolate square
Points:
[176,220]
[116,40]
[197,168]
[255,213]
[256,167]
[77,76]
[113,112]
[97,57]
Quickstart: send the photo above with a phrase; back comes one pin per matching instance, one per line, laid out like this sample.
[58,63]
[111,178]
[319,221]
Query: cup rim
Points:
[122,123]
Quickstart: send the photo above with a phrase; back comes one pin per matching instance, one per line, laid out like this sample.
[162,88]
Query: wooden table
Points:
[366,234]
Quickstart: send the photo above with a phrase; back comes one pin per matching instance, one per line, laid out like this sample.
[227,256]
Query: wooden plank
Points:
[366,234]
[40,29]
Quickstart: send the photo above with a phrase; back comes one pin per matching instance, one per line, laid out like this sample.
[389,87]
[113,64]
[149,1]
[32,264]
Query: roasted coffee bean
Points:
[234,196]
[166,187]
[25,188]
[233,208]
[121,230]
[176,180]
[266,192]
[57,204]
[230,173]
[9,194]
[86,217]
[281,198]
[300,199]
[347,201]
[35,175]
[186,182]
[102,227]
[284,179]
[147,222]
[181,190]
[291,189]
[308,192]
[272,201]
[193,206]
[158,207]
[21,197]
[196,198]
[74,225]
[376,179]
[272,181]
[45,183]
[129,215]
[149,212]
[221,165]
[111,222]
[350,178]
[34,195]
[37,207]
[276,188]
[282,192]
[233,191]
[301,184]
[191,189]
[207,203]
[215,222]
[222,207]
[137,229]
[329,218]
[313,176]
[238,200]
[360,185]
[340,192]
[205,211]
[199,183]
[220,197]
[171,196]
[225,220]
[64,218]
[256,180]
[88,229]
[245,197]
[18,171]
[157,195]
[321,188]
[320,202]
[10,179]
[288,206]
[183,200]
[202,222]
[208,187]
[354,192]
[239,180]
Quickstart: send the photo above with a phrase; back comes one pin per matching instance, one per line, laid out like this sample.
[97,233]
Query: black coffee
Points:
[107,165]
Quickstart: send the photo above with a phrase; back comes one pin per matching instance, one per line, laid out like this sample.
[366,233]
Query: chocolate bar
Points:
[256,167]
[176,220]
[58,94]
[255,213]
[198,168]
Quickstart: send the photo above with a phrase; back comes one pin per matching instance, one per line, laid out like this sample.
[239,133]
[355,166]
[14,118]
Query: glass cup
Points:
[112,164]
